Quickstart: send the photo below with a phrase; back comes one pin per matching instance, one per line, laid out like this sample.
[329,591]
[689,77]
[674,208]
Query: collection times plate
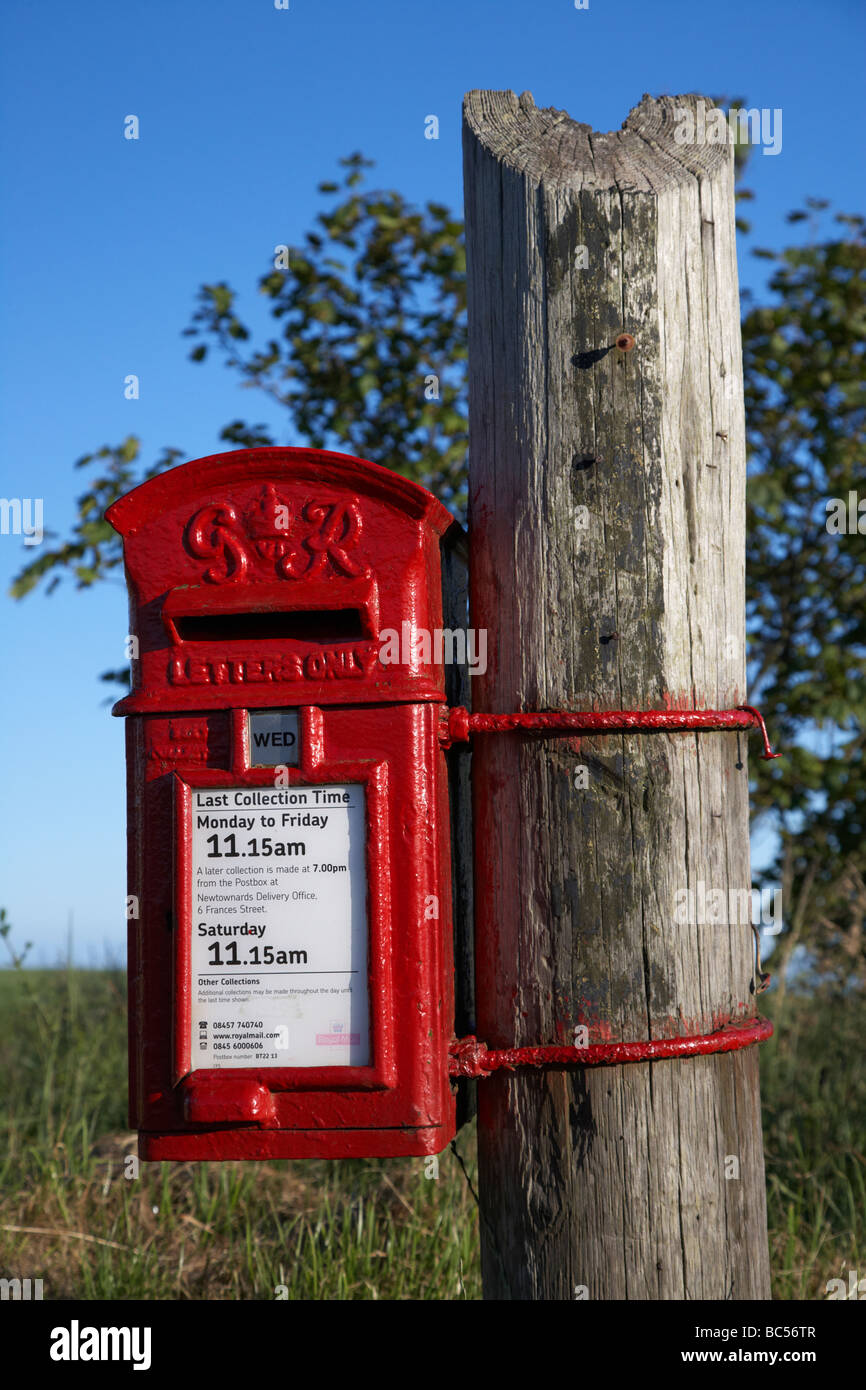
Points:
[279,927]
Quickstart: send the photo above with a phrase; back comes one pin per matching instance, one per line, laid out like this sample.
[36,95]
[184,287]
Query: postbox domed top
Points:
[276,577]
[200,479]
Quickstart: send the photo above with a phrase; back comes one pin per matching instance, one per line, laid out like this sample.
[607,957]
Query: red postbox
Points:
[290,940]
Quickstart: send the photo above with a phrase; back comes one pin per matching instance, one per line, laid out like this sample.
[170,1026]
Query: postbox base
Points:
[224,1143]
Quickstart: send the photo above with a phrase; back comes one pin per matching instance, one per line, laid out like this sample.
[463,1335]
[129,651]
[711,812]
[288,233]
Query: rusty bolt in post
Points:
[625,342]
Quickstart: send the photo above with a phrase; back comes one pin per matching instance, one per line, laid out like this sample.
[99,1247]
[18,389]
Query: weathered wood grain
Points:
[611,1180]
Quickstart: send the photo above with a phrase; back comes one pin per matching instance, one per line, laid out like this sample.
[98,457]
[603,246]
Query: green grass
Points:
[321,1230]
[813,1092]
[355,1229]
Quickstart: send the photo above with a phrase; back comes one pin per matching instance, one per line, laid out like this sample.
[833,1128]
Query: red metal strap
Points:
[469,1057]
[461,724]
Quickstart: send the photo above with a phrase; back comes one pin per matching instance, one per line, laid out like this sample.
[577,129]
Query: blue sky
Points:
[243,108]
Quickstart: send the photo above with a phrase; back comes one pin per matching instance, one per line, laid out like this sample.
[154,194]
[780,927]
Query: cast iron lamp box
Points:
[291,960]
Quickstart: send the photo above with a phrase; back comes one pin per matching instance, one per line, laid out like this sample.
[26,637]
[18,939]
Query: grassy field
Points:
[359,1229]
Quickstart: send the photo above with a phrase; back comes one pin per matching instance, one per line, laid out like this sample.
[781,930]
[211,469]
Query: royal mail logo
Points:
[274,538]
[337,1038]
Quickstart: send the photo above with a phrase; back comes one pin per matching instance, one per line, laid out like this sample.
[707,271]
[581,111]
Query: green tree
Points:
[371,348]
[803,356]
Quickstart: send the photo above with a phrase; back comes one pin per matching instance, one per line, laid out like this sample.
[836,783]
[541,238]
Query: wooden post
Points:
[607,525]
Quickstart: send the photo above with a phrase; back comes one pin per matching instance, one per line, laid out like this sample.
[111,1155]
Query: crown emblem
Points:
[268,525]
